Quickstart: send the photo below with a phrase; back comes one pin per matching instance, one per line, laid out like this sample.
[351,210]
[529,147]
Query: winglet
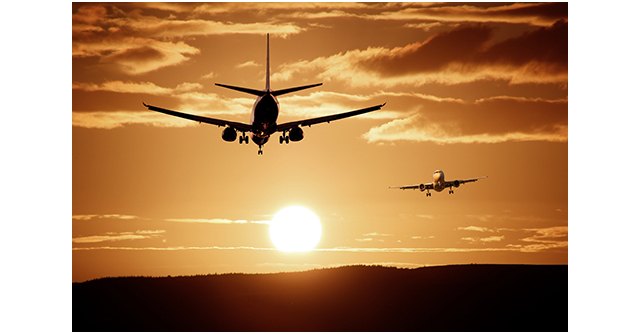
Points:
[144,104]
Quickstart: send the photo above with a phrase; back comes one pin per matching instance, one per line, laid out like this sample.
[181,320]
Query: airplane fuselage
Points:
[438,181]
[264,117]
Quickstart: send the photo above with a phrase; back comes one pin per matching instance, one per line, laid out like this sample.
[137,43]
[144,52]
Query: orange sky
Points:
[473,90]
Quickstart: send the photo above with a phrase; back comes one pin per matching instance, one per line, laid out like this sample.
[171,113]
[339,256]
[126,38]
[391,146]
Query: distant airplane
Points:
[264,115]
[439,183]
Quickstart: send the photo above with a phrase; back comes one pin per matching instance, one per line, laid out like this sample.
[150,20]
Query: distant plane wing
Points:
[422,186]
[219,122]
[459,182]
[327,119]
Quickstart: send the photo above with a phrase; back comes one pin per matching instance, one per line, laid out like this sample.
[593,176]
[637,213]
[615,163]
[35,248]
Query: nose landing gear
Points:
[244,139]
[260,150]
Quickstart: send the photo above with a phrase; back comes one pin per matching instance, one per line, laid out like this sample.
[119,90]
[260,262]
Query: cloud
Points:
[121,236]
[123,87]
[534,14]
[178,248]
[466,54]
[249,63]
[494,119]
[537,14]
[494,238]
[130,87]
[217,221]
[376,234]
[364,239]
[114,119]
[137,43]
[546,238]
[475,228]
[104,216]
[419,237]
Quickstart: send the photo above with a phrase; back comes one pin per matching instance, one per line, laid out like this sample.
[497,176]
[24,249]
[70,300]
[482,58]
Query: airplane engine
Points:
[456,183]
[422,187]
[229,134]
[296,134]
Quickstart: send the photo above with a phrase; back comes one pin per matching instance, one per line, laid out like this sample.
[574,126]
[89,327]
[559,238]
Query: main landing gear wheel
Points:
[428,194]
[450,191]
[244,138]
[260,150]
[284,139]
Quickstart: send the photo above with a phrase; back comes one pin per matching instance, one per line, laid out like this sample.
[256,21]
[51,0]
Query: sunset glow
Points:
[471,89]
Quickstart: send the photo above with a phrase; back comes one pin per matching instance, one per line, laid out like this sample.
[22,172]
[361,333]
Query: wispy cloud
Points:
[465,54]
[119,236]
[216,221]
[494,238]
[421,237]
[137,43]
[417,128]
[377,234]
[475,228]
[178,248]
[133,87]
[546,238]
[249,63]
[538,14]
[104,216]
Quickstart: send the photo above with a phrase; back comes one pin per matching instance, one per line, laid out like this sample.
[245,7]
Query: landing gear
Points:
[284,138]
[450,191]
[428,194]
[260,150]
[244,138]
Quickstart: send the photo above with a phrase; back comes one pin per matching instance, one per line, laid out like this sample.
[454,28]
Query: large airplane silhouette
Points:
[439,183]
[264,115]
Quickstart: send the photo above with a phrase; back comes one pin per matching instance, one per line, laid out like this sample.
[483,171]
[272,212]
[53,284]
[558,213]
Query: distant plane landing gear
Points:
[260,150]
[450,191]
[428,194]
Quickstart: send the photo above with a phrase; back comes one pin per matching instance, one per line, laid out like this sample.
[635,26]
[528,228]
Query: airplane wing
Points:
[323,119]
[219,122]
[422,186]
[459,182]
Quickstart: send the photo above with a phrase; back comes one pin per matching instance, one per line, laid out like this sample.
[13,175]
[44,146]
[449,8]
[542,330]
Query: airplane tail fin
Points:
[251,91]
[293,89]
[267,88]
[268,81]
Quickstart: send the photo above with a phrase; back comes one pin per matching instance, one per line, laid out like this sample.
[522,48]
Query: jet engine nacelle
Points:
[422,187]
[229,134]
[296,134]
[456,183]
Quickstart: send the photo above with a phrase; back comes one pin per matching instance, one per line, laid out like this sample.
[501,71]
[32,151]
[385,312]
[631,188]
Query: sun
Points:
[295,229]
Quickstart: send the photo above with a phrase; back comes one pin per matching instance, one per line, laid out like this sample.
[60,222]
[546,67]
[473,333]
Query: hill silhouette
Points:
[353,298]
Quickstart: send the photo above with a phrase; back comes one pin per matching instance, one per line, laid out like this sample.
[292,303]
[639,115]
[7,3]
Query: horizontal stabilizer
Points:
[293,89]
[243,89]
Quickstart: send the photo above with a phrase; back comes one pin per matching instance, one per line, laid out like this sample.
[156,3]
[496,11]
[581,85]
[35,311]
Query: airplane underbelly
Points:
[259,139]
